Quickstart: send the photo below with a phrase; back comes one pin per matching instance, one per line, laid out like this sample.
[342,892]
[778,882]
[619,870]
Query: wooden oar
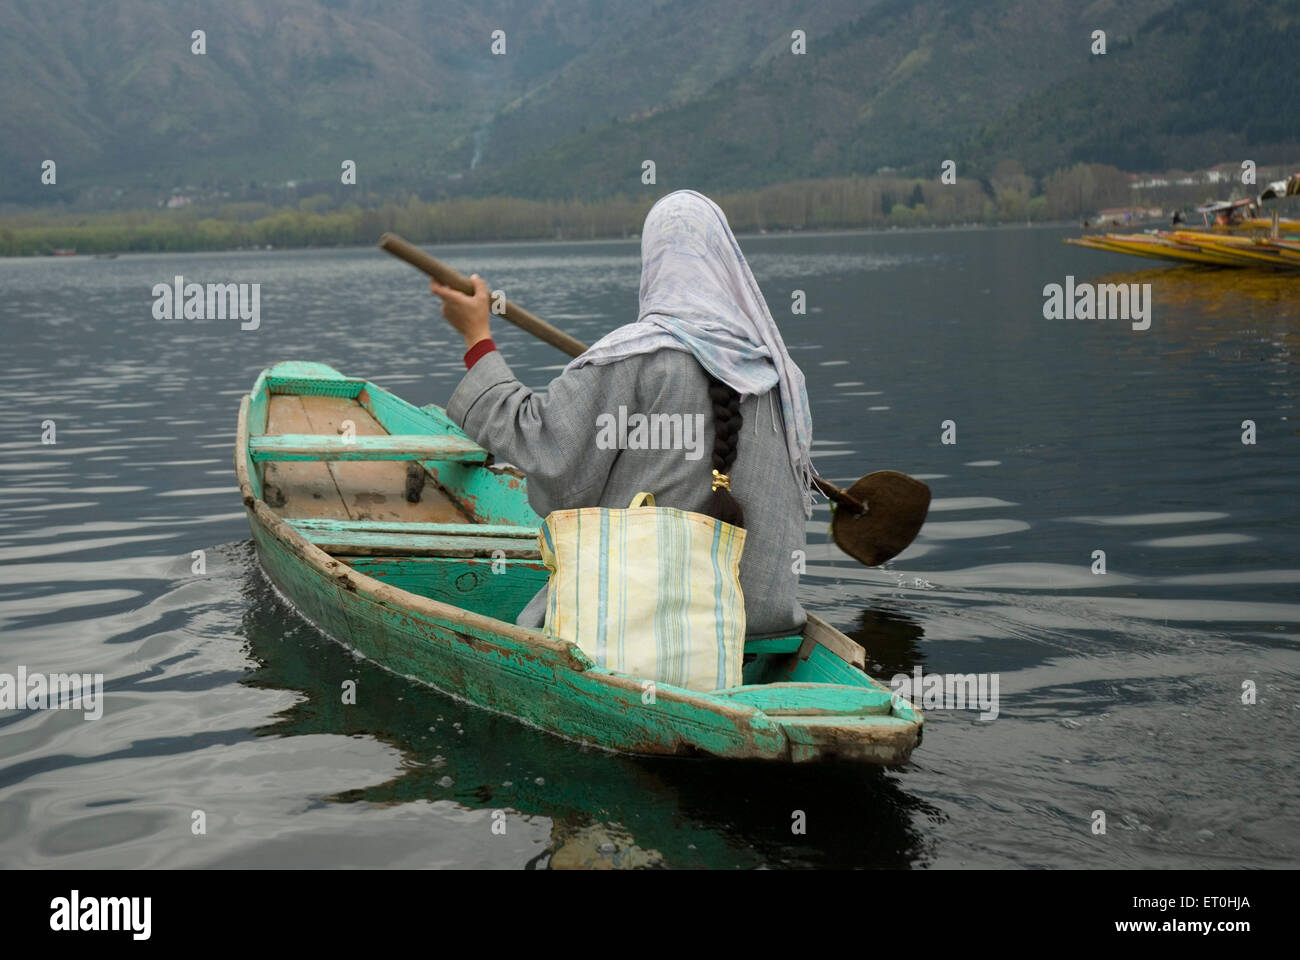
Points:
[873,521]
[457,281]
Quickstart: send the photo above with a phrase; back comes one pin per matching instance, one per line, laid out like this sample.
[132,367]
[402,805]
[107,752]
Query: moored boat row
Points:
[1192,246]
[1233,235]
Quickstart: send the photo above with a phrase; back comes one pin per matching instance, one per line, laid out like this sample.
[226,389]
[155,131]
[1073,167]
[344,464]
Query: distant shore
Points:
[745,235]
[875,202]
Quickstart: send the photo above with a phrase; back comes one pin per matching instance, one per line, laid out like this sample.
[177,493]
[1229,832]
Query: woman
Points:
[703,335]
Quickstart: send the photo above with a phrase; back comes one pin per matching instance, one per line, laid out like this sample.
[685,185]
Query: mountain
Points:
[285,90]
[1201,82]
[588,89]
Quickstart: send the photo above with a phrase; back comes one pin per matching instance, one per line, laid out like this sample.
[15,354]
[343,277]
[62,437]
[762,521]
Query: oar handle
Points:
[449,277]
[838,495]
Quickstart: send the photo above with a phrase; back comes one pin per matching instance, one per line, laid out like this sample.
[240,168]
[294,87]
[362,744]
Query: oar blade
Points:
[896,509]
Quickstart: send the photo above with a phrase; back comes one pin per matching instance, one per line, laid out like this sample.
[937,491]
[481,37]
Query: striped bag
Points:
[652,592]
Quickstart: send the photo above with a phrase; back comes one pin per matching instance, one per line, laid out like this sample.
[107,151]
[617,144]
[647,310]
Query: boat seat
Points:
[343,527]
[407,446]
[789,644]
[370,543]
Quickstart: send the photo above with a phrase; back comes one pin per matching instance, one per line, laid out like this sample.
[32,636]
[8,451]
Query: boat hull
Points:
[1219,250]
[535,683]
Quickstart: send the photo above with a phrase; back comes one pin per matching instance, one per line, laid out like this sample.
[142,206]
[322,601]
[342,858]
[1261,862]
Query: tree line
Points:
[1007,194]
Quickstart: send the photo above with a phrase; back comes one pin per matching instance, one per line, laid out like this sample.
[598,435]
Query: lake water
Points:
[1120,693]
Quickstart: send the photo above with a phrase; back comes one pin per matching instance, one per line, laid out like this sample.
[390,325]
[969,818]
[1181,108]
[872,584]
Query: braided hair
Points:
[727,422]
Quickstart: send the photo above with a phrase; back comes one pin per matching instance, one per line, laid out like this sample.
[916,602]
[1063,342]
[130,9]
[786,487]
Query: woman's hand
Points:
[467,314]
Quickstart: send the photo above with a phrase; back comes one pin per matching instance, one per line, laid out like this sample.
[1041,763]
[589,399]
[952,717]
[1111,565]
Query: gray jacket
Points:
[552,437]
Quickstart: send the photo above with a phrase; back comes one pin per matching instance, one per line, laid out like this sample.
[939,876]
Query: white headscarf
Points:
[698,295]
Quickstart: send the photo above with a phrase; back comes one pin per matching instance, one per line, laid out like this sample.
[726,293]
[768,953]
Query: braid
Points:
[727,422]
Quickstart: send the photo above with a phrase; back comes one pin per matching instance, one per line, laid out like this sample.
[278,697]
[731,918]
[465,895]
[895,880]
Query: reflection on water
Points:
[893,640]
[1218,293]
[1120,691]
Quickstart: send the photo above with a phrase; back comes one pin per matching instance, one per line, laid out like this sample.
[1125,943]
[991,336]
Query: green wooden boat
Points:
[392,531]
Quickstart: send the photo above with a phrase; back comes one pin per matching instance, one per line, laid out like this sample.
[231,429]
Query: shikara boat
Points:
[1153,246]
[1233,234]
[1260,225]
[394,533]
[1288,248]
[1248,251]
[1193,246]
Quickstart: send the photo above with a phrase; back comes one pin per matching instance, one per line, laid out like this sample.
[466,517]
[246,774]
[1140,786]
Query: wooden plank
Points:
[399,416]
[875,740]
[250,480]
[307,379]
[299,489]
[774,645]
[818,631]
[435,413]
[315,388]
[374,490]
[811,699]
[304,370]
[359,543]
[820,665]
[490,494]
[254,424]
[258,398]
[344,527]
[298,446]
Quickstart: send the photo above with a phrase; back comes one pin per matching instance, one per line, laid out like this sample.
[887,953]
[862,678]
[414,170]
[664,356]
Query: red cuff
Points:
[478,352]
